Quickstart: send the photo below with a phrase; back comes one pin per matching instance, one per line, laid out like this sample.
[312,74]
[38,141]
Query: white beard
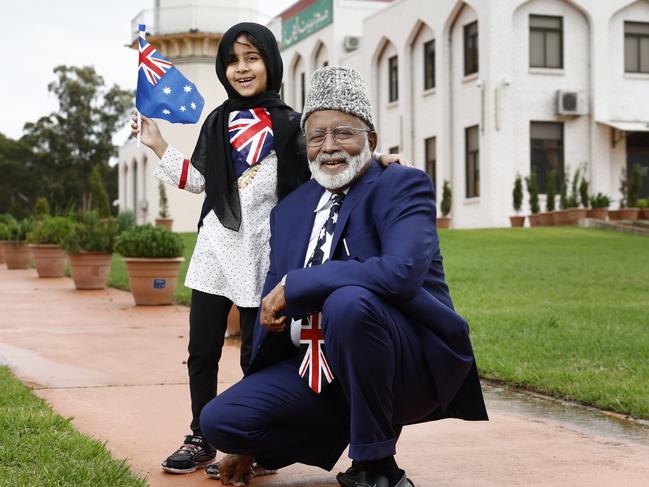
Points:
[344,178]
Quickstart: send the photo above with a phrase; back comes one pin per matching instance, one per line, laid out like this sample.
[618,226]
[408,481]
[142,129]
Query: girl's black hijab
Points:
[212,154]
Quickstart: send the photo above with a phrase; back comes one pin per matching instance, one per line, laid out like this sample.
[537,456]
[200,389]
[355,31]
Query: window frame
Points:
[638,39]
[544,31]
[560,149]
[472,156]
[431,162]
[471,63]
[429,65]
[393,78]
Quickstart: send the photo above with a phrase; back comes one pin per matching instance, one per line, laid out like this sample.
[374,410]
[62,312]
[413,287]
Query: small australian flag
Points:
[162,90]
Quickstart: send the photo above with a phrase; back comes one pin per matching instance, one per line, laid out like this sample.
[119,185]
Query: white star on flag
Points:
[322,233]
[166,112]
[335,217]
[182,108]
[193,105]
[166,90]
[187,89]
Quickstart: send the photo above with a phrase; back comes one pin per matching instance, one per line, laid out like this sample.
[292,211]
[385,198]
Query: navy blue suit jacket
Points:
[387,221]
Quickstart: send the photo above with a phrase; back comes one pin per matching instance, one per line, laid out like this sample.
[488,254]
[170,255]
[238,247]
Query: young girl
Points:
[250,153]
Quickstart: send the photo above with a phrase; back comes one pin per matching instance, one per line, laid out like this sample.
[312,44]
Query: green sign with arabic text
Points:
[306,22]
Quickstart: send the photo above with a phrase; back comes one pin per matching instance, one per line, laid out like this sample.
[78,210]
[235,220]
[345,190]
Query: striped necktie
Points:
[314,368]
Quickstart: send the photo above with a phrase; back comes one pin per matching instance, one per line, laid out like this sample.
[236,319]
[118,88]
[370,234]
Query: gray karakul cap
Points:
[338,88]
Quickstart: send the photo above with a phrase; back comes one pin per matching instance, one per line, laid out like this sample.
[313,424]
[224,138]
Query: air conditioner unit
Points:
[571,103]
[351,43]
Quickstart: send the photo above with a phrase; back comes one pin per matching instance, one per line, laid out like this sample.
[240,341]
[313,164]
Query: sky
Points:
[37,35]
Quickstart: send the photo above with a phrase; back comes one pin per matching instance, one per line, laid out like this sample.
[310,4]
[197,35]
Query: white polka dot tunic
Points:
[225,262]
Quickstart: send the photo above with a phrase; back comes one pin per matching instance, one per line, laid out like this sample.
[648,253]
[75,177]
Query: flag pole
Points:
[139,128]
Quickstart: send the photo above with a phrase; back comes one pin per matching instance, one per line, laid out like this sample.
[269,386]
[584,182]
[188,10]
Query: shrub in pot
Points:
[574,212]
[17,253]
[44,239]
[153,256]
[561,216]
[5,218]
[599,204]
[90,247]
[163,208]
[547,218]
[517,202]
[4,235]
[630,191]
[532,184]
[644,209]
[125,220]
[444,221]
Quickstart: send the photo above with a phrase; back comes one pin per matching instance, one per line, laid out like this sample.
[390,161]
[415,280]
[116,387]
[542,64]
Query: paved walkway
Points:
[118,371]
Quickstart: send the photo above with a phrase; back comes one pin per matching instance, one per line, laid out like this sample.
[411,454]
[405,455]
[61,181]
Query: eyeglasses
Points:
[342,135]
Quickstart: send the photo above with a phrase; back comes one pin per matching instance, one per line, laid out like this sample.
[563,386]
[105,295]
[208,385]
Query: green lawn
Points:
[38,447]
[563,311]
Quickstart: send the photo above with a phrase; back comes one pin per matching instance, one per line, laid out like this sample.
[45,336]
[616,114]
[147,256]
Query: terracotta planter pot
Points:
[517,221]
[535,219]
[153,281]
[546,218]
[165,222]
[17,255]
[624,214]
[443,222]
[597,213]
[90,269]
[50,260]
[576,214]
[561,217]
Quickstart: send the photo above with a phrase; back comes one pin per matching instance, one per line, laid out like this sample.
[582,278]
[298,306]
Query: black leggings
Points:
[208,321]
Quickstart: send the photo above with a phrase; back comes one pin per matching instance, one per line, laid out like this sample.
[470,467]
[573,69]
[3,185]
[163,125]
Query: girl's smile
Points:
[246,71]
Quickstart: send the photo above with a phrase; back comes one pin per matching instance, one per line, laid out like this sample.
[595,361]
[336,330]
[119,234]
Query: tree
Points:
[583,188]
[517,193]
[532,184]
[163,211]
[447,198]
[17,187]
[98,194]
[69,143]
[635,183]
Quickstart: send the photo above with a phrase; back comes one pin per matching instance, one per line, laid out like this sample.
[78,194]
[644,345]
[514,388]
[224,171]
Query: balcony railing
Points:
[193,18]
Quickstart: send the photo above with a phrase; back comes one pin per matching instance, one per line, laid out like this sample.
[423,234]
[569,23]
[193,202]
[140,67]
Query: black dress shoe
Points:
[354,477]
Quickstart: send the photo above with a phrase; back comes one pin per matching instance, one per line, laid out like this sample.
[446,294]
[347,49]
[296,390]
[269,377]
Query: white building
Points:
[187,33]
[477,91]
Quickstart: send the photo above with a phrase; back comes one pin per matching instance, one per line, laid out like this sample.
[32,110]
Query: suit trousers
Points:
[208,321]
[381,383]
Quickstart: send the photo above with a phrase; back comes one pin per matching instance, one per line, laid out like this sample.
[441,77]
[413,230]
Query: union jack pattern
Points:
[251,135]
[151,61]
[314,368]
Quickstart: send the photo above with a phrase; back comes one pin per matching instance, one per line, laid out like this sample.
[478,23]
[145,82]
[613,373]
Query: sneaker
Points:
[194,453]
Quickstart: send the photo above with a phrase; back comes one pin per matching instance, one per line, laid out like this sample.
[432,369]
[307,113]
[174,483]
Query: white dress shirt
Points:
[321,215]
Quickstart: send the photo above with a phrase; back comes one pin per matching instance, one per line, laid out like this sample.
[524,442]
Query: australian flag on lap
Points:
[162,90]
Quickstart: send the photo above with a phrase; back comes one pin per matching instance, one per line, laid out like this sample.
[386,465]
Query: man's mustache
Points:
[336,156]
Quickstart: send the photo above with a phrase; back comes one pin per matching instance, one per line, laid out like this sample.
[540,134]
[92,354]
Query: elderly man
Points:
[357,335]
